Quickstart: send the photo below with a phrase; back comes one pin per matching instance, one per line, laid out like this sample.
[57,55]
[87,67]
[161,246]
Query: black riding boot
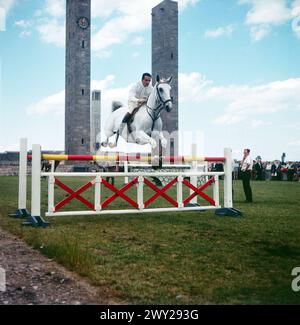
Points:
[125,120]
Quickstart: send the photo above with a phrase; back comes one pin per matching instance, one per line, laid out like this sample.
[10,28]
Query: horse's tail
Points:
[115,105]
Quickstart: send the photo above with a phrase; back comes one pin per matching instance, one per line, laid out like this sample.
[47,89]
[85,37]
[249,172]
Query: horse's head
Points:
[163,92]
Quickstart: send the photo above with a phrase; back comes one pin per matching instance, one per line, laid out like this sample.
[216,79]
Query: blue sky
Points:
[238,62]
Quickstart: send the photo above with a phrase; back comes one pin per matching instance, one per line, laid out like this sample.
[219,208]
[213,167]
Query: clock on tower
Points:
[83,22]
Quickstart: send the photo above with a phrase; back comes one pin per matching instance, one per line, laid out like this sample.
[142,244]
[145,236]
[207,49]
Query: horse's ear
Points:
[157,78]
[170,80]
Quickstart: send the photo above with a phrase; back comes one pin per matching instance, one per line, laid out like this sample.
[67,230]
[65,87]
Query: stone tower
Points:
[95,121]
[165,59]
[78,71]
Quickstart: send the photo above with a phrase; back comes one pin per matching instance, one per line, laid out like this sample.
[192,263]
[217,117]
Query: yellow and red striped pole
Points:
[127,158]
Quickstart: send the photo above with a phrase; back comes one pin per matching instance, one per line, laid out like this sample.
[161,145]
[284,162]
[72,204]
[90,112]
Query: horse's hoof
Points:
[164,143]
[104,144]
[153,145]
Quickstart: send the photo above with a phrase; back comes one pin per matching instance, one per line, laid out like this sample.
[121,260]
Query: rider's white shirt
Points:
[138,91]
[247,161]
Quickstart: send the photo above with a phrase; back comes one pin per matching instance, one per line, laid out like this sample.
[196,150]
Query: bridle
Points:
[160,99]
[155,113]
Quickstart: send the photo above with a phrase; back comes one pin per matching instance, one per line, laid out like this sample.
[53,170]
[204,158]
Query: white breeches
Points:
[131,106]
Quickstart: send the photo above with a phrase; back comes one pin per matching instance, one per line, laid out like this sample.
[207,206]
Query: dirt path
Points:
[34,279]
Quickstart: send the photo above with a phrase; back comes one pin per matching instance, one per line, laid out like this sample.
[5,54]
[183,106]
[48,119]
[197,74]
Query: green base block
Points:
[230,212]
[20,213]
[36,221]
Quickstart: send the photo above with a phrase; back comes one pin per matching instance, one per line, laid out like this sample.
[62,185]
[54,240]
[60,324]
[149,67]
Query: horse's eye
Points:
[161,90]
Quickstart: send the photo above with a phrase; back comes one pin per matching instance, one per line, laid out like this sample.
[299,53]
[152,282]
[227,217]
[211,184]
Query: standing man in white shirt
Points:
[246,167]
[138,96]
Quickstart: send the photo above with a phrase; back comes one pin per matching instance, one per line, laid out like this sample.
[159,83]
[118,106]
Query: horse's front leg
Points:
[158,134]
[163,140]
[114,140]
[143,138]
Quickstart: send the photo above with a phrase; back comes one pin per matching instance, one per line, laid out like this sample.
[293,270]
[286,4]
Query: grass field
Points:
[178,258]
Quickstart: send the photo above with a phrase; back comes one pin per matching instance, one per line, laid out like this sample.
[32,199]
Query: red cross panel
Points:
[199,191]
[160,192]
[119,193]
[74,194]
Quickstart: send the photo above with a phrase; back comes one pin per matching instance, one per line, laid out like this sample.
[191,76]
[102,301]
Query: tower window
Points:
[82,141]
[82,44]
[96,95]
[82,92]
[172,56]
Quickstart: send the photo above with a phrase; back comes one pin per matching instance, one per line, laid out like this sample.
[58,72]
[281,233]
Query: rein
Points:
[159,108]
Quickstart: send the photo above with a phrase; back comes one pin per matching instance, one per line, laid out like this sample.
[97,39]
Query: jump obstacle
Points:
[140,180]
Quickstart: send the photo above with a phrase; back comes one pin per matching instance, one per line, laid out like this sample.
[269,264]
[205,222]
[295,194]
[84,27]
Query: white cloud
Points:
[25,33]
[138,40]
[38,13]
[263,15]
[50,22]
[55,8]
[296,17]
[105,54]
[52,31]
[23,23]
[2,20]
[294,143]
[132,17]
[296,26]
[192,86]
[218,32]
[241,102]
[295,125]
[25,26]
[54,104]
[183,4]
[124,18]
[268,12]
[260,123]
[5,6]
[261,100]
[259,32]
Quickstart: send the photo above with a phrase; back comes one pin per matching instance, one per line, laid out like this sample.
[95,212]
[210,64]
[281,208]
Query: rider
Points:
[138,96]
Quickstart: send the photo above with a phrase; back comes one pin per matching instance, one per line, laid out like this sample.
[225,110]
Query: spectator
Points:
[259,169]
[236,167]
[247,165]
[273,170]
[290,172]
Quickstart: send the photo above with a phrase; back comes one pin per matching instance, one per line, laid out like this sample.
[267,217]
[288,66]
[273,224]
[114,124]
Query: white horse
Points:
[147,124]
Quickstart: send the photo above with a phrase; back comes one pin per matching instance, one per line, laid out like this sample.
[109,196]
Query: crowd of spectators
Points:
[266,170]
